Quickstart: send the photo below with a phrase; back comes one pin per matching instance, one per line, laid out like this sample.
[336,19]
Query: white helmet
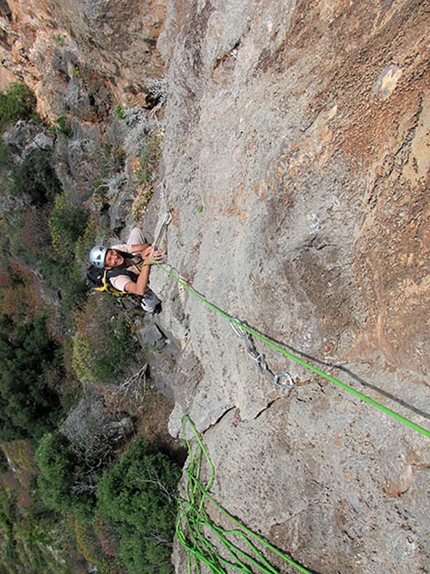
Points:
[98,255]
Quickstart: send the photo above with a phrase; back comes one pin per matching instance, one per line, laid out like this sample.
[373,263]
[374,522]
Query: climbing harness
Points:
[260,359]
[99,281]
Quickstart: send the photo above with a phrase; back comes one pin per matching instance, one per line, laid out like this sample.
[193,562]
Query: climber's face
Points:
[113,259]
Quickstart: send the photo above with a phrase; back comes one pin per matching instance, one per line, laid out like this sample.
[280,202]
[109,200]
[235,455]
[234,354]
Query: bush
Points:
[138,495]
[64,482]
[150,158]
[34,539]
[16,103]
[104,343]
[86,242]
[20,300]
[68,222]
[5,163]
[28,407]
[89,546]
[35,237]
[4,465]
[36,178]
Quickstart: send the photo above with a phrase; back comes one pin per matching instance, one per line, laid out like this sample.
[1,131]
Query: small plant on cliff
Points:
[68,222]
[103,345]
[149,159]
[62,125]
[119,112]
[16,103]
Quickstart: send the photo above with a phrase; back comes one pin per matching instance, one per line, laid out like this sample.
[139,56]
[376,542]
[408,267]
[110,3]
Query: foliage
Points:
[146,173]
[20,456]
[119,112]
[16,103]
[103,345]
[7,519]
[35,236]
[4,466]
[35,178]
[45,238]
[27,354]
[20,300]
[86,241]
[89,545]
[33,539]
[149,159]
[64,482]
[139,496]
[5,163]
[141,202]
[68,222]
[67,279]
[62,125]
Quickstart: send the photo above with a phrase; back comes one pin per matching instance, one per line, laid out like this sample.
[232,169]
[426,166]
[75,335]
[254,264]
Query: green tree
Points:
[64,482]
[16,103]
[28,407]
[138,495]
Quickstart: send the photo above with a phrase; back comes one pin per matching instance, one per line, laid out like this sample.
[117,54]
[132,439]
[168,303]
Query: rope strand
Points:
[197,532]
[298,360]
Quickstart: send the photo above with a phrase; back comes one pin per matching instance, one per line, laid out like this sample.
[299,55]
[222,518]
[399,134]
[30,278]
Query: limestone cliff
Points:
[296,167]
[82,56]
[301,128]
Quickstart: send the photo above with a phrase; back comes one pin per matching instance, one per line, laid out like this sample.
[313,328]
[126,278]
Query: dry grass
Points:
[150,412]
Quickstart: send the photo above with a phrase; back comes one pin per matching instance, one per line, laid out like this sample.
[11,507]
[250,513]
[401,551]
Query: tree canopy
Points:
[28,406]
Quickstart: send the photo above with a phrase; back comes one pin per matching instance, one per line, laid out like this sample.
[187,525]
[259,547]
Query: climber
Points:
[127,267]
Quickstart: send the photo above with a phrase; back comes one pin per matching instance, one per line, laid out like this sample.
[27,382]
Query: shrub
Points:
[104,344]
[28,407]
[149,159]
[68,279]
[4,466]
[16,103]
[20,301]
[86,242]
[138,495]
[36,178]
[5,163]
[68,222]
[64,482]
[89,546]
[35,237]
[62,125]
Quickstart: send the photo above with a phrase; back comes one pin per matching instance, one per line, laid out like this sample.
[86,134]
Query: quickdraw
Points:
[260,359]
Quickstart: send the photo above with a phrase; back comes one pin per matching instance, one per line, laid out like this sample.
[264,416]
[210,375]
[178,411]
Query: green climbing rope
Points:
[219,549]
[298,360]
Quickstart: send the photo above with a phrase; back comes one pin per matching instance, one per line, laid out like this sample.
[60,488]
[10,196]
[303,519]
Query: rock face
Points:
[297,171]
[82,56]
[296,168]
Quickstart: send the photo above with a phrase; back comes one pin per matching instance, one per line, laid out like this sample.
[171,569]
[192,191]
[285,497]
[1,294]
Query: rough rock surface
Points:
[297,170]
[96,52]
[296,167]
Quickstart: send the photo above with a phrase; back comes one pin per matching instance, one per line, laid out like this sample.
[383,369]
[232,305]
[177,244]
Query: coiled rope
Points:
[220,549]
[293,357]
